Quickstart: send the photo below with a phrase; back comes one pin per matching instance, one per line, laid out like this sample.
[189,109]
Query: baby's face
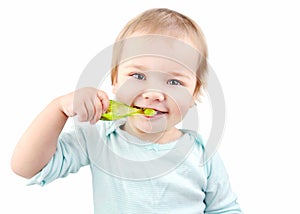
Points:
[160,83]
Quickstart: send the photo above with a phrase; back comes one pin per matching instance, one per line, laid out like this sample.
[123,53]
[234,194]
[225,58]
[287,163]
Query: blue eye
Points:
[174,82]
[138,76]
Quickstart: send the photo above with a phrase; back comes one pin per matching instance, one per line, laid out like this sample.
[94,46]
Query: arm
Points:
[219,195]
[38,143]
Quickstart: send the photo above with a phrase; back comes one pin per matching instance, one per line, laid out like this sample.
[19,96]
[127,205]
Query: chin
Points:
[150,126]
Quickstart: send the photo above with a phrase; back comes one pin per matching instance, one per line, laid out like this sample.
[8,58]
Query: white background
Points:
[253,48]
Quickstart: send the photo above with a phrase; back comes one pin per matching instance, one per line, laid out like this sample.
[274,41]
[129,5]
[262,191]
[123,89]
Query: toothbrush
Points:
[117,110]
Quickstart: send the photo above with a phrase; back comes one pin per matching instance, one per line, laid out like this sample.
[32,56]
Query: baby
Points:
[141,164]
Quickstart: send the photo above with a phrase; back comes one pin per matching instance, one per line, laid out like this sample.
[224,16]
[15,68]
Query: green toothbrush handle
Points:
[117,110]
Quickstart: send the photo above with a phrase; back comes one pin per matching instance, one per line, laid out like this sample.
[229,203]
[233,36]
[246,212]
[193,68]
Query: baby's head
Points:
[166,22]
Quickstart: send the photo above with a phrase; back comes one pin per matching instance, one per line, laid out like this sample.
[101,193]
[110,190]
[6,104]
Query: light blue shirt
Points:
[132,176]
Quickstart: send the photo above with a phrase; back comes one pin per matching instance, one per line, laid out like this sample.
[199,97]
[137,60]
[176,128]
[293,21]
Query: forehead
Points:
[177,52]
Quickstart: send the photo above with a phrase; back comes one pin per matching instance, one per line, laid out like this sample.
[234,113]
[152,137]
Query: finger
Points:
[82,113]
[98,110]
[90,108]
[104,100]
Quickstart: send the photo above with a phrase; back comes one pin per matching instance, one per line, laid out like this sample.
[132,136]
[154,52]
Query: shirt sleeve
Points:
[69,157]
[219,197]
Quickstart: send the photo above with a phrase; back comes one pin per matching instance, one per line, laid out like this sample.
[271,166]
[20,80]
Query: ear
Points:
[192,103]
[114,88]
[193,100]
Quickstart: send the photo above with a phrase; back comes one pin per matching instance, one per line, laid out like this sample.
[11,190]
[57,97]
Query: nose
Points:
[153,95]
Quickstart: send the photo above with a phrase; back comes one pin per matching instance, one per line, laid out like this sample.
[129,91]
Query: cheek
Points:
[181,98]
[127,91]
[179,109]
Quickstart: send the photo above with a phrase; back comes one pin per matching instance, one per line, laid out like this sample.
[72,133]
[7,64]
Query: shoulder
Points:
[85,128]
[84,133]
[198,140]
[208,150]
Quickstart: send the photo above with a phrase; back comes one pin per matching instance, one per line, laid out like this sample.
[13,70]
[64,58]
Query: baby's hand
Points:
[87,103]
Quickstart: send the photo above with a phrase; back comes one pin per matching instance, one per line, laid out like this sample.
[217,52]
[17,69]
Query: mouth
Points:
[157,111]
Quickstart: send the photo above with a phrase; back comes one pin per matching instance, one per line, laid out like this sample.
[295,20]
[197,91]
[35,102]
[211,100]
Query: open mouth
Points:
[157,112]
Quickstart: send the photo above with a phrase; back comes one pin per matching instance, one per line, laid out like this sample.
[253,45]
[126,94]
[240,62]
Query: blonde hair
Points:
[167,22]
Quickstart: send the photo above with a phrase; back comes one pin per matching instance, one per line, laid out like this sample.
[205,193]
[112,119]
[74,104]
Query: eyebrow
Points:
[137,66]
[180,74]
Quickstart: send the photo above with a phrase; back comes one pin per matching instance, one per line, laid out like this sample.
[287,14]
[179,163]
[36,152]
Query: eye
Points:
[138,76]
[174,82]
